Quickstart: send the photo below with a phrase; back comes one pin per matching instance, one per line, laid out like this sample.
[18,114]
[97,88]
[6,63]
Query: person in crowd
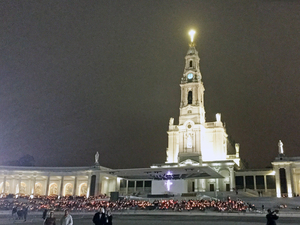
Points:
[25,212]
[45,214]
[14,212]
[99,217]
[272,217]
[108,216]
[66,219]
[51,220]
[20,214]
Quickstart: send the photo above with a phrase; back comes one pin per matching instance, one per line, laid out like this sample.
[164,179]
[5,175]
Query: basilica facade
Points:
[199,158]
[194,140]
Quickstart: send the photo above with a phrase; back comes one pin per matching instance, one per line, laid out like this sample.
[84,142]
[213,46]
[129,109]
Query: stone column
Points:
[118,181]
[254,182]
[202,185]
[14,186]
[231,178]
[96,185]
[75,186]
[295,188]
[100,191]
[277,178]
[33,184]
[29,191]
[244,181]
[134,186]
[194,95]
[20,180]
[61,186]
[4,185]
[47,185]
[289,181]
[217,185]
[89,185]
[265,182]
[194,142]
[196,189]
[126,186]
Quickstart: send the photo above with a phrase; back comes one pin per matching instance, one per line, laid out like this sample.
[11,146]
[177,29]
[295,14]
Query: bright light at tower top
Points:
[192,33]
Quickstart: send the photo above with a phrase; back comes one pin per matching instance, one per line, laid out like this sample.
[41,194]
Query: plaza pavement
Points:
[166,219]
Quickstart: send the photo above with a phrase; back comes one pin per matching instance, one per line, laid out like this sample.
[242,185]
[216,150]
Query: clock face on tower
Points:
[190,76]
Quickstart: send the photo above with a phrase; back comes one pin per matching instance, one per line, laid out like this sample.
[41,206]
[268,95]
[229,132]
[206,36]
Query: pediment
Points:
[189,162]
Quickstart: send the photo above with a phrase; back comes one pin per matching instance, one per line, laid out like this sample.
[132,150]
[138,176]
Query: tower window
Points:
[190,97]
[191,63]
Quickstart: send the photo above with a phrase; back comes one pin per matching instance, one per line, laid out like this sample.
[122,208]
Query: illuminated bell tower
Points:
[192,89]
[194,140]
[184,139]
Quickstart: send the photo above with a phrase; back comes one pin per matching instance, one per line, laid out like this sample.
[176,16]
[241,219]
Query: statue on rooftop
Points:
[280,147]
[97,158]
[171,121]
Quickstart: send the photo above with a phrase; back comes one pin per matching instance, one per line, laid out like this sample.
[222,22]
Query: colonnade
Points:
[59,183]
[219,184]
[254,182]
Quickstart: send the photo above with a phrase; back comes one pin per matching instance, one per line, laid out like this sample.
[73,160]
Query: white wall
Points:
[177,187]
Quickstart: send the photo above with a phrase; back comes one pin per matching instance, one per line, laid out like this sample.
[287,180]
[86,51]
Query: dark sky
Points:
[84,76]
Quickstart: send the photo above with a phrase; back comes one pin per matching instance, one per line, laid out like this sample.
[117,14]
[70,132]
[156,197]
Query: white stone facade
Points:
[195,139]
[75,181]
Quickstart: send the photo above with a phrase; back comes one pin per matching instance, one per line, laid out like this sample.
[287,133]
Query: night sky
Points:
[79,77]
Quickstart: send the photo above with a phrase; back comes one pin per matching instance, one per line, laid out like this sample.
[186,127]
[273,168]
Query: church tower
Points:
[192,89]
[194,140]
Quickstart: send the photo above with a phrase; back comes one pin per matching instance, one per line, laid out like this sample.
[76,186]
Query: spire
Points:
[192,89]
[192,69]
[192,50]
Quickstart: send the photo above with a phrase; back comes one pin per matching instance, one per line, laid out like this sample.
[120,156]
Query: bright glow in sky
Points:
[192,33]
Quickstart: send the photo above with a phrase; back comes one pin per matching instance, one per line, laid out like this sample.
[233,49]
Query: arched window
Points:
[68,190]
[53,189]
[22,189]
[190,97]
[83,189]
[191,63]
[38,189]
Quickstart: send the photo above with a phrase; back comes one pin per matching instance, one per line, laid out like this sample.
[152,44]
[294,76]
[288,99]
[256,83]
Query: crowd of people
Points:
[104,207]
[82,204]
